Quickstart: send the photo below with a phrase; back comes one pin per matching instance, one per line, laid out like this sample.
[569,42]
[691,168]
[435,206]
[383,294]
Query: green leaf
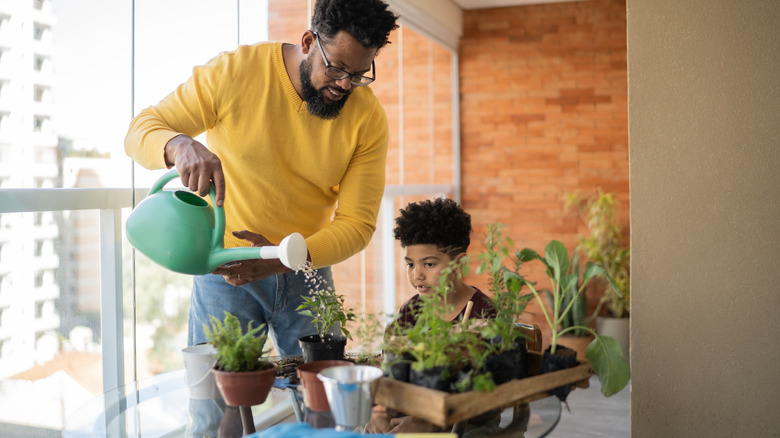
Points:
[606,359]
[557,258]
[527,254]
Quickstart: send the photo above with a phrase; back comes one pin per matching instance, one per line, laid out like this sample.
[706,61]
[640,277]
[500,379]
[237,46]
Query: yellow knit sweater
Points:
[285,170]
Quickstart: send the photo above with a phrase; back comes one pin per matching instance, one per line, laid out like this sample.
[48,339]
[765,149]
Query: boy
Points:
[433,233]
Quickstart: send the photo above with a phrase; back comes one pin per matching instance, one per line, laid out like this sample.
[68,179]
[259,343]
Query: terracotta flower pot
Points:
[313,392]
[246,388]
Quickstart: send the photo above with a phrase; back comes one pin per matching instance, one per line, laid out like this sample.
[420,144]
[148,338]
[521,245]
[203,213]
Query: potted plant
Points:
[327,310]
[434,344]
[506,353]
[603,245]
[369,332]
[603,352]
[243,375]
[577,338]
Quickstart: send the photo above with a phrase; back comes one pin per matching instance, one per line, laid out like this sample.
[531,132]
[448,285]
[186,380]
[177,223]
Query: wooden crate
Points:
[445,409]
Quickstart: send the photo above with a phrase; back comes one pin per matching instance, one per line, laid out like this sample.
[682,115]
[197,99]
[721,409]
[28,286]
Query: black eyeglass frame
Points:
[345,74]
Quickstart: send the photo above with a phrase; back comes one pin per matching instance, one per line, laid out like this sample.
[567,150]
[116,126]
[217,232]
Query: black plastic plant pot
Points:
[397,368]
[563,358]
[314,348]
[434,378]
[502,367]
[510,364]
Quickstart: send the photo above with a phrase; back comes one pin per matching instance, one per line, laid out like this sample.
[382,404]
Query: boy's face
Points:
[424,264]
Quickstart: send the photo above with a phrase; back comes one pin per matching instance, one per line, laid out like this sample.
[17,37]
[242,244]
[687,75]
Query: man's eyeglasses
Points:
[338,74]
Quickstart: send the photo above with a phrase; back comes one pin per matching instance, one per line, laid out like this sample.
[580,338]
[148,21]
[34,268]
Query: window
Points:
[63,249]
[39,279]
[5,121]
[41,93]
[41,31]
[39,63]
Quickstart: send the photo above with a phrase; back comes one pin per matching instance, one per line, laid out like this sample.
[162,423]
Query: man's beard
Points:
[317,104]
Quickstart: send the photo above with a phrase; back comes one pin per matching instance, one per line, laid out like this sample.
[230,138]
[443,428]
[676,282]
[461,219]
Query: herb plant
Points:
[237,351]
[326,308]
[507,301]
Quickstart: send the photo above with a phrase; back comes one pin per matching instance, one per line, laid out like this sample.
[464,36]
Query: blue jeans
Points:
[271,301]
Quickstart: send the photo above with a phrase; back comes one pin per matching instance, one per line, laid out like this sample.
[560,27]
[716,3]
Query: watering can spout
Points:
[292,252]
[180,231]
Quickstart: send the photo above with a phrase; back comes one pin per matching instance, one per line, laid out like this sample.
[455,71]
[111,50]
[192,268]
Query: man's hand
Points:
[410,424]
[197,166]
[379,422]
[246,271]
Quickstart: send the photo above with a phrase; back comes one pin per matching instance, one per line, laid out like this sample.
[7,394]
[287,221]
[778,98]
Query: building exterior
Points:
[28,159]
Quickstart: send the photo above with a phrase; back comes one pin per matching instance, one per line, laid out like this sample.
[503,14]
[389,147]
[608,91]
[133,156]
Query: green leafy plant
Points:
[237,351]
[603,352]
[603,246]
[507,301]
[435,341]
[576,318]
[326,308]
[369,333]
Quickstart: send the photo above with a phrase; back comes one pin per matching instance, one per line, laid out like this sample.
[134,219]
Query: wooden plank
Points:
[420,402]
[444,409]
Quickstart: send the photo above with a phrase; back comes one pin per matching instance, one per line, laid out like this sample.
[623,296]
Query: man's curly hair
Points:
[368,21]
[441,222]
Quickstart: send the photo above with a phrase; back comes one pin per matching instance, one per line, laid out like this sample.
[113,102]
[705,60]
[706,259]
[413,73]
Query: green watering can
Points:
[180,231]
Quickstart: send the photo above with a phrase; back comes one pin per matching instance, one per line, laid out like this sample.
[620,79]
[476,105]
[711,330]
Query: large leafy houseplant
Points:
[603,245]
[603,352]
[576,319]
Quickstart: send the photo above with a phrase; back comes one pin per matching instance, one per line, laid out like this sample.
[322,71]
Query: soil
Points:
[288,366]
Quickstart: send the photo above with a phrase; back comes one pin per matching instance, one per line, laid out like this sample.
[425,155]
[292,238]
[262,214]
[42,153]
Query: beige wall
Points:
[704,136]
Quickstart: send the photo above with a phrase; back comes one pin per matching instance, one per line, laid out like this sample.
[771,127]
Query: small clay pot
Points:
[314,348]
[247,388]
[313,392]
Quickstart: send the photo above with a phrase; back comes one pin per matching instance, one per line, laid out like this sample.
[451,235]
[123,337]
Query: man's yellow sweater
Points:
[285,170]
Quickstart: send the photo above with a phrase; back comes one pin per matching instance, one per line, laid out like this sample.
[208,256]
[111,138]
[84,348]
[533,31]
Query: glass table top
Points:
[161,407]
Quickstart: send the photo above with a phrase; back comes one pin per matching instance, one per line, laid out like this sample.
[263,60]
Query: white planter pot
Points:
[618,328]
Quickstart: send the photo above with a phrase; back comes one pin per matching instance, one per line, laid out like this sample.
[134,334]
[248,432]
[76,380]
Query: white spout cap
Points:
[292,252]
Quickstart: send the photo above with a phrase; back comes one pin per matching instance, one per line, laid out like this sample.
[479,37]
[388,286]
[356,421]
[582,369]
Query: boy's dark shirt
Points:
[482,308]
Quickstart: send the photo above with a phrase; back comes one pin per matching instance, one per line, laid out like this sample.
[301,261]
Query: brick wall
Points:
[543,113]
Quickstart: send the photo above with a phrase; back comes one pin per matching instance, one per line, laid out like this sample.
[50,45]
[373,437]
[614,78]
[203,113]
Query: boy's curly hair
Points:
[441,222]
[368,21]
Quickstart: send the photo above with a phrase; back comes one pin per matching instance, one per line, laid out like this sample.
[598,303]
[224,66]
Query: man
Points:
[292,133]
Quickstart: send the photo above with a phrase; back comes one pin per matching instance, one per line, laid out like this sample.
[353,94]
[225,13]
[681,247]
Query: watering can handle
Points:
[217,238]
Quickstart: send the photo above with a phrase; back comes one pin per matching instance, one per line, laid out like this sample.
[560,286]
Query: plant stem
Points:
[546,315]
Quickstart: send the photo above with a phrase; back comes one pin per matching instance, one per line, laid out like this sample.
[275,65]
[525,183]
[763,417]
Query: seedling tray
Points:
[445,409]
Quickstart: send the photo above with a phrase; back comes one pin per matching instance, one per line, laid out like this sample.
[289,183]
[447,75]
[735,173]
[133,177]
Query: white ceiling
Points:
[485,4]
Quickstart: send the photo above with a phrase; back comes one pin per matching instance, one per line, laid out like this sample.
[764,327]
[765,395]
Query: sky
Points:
[99,70]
